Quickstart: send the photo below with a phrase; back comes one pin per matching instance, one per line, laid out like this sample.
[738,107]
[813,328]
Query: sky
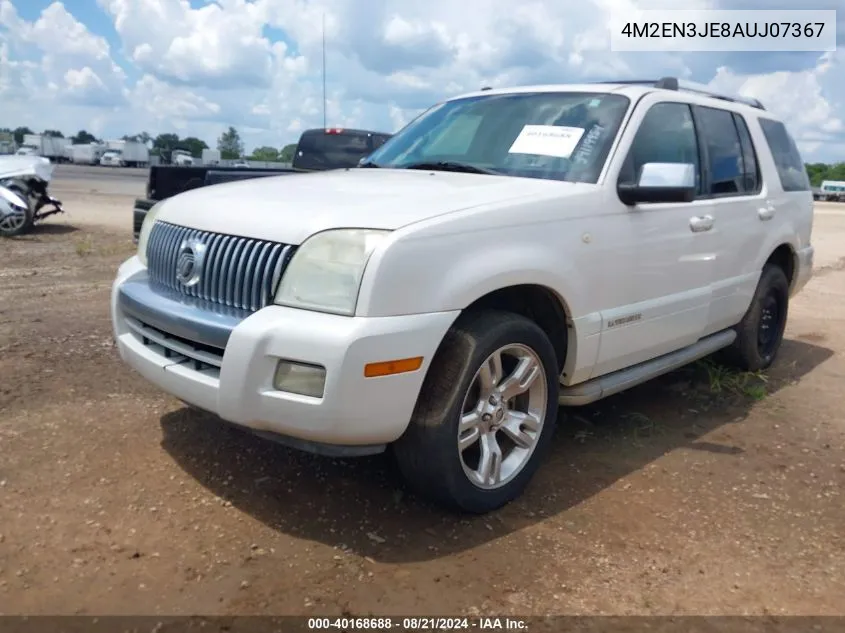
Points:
[194,67]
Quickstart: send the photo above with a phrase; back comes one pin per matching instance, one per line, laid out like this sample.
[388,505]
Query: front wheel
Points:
[17,221]
[485,415]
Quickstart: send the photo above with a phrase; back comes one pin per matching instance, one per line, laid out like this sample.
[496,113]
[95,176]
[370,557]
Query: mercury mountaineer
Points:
[507,252]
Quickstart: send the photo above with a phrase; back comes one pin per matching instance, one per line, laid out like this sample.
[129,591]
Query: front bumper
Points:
[243,350]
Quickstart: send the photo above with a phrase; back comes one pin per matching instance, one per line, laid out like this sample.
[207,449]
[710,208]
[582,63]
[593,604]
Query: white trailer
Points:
[7,143]
[210,157]
[87,153]
[130,153]
[135,154]
[51,147]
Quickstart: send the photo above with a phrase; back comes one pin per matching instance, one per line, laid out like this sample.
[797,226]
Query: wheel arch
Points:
[536,302]
[784,256]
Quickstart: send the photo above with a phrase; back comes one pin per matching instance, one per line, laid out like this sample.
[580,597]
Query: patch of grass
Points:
[84,246]
[724,379]
[644,426]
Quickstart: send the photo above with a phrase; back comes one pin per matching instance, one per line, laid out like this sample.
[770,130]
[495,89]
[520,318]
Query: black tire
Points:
[760,333]
[26,227]
[427,453]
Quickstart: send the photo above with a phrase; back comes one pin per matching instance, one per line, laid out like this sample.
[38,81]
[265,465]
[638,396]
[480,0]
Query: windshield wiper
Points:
[369,165]
[446,165]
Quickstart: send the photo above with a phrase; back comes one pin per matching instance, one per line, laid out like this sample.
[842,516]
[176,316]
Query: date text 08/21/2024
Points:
[417,624]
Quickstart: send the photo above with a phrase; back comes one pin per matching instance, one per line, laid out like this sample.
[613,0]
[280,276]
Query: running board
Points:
[603,386]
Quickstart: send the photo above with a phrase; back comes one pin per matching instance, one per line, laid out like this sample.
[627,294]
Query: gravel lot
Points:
[703,492]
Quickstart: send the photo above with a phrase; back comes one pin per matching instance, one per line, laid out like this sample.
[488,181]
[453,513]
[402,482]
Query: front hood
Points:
[17,166]
[290,208]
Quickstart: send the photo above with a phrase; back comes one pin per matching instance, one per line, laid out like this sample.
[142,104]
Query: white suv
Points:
[506,252]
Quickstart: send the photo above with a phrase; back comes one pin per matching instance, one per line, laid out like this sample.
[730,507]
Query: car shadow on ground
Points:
[39,230]
[361,504]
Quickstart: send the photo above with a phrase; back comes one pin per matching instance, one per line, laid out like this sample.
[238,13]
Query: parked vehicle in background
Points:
[8,145]
[86,153]
[112,158]
[23,193]
[831,191]
[51,147]
[508,251]
[317,150]
[210,157]
[335,148]
[181,157]
[132,153]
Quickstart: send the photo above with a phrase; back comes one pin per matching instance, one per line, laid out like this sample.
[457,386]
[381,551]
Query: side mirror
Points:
[660,182]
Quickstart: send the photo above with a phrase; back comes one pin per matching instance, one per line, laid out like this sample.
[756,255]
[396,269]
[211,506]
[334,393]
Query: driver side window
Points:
[666,135]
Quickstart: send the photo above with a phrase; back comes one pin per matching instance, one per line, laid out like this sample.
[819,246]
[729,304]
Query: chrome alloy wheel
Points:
[502,416]
[13,220]
[14,209]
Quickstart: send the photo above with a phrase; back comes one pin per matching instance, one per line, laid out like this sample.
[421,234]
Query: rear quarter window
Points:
[790,167]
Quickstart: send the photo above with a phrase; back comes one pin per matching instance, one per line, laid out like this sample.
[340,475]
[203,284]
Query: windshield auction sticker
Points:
[547,140]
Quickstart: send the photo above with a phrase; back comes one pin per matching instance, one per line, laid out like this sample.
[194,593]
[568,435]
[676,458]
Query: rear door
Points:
[732,184]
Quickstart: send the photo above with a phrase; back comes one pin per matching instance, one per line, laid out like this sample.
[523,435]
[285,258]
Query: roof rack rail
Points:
[673,83]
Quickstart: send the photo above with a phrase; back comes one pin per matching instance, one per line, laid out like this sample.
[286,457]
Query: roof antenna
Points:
[324,70]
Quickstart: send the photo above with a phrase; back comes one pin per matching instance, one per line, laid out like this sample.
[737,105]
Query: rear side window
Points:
[750,167]
[793,174]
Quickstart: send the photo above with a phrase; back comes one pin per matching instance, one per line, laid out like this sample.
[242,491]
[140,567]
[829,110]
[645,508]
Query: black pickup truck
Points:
[318,150]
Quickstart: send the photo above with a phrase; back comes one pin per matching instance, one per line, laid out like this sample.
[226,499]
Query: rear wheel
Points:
[760,333]
[485,415]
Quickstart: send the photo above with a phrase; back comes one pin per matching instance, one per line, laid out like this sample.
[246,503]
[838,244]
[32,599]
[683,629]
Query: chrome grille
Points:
[237,271]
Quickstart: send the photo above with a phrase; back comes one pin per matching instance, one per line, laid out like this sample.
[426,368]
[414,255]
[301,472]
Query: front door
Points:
[665,253]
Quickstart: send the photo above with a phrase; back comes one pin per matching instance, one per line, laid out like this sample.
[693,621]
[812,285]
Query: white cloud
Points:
[812,101]
[256,64]
[205,46]
[76,65]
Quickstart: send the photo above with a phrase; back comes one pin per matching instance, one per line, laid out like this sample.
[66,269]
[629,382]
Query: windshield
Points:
[551,135]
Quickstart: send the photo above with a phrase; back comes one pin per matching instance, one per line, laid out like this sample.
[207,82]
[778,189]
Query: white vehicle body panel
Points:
[18,166]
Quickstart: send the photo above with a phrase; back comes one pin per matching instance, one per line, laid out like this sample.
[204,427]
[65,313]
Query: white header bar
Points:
[706,30]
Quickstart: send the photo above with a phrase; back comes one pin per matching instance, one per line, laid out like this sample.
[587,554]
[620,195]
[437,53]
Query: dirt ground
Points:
[704,492]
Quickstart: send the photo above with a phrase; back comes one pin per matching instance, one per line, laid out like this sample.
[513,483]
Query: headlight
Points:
[146,229]
[325,273]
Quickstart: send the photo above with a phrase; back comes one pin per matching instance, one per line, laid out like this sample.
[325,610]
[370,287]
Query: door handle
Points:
[766,213]
[699,224]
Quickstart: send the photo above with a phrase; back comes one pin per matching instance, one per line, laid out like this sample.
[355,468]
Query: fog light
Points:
[300,378]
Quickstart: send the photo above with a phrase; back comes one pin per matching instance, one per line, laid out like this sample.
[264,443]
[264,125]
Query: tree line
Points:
[229,144]
[819,172]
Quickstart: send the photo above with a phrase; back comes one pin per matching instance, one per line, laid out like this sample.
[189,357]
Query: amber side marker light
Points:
[390,367]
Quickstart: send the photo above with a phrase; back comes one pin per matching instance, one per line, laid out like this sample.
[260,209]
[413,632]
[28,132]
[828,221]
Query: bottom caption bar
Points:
[350,624]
